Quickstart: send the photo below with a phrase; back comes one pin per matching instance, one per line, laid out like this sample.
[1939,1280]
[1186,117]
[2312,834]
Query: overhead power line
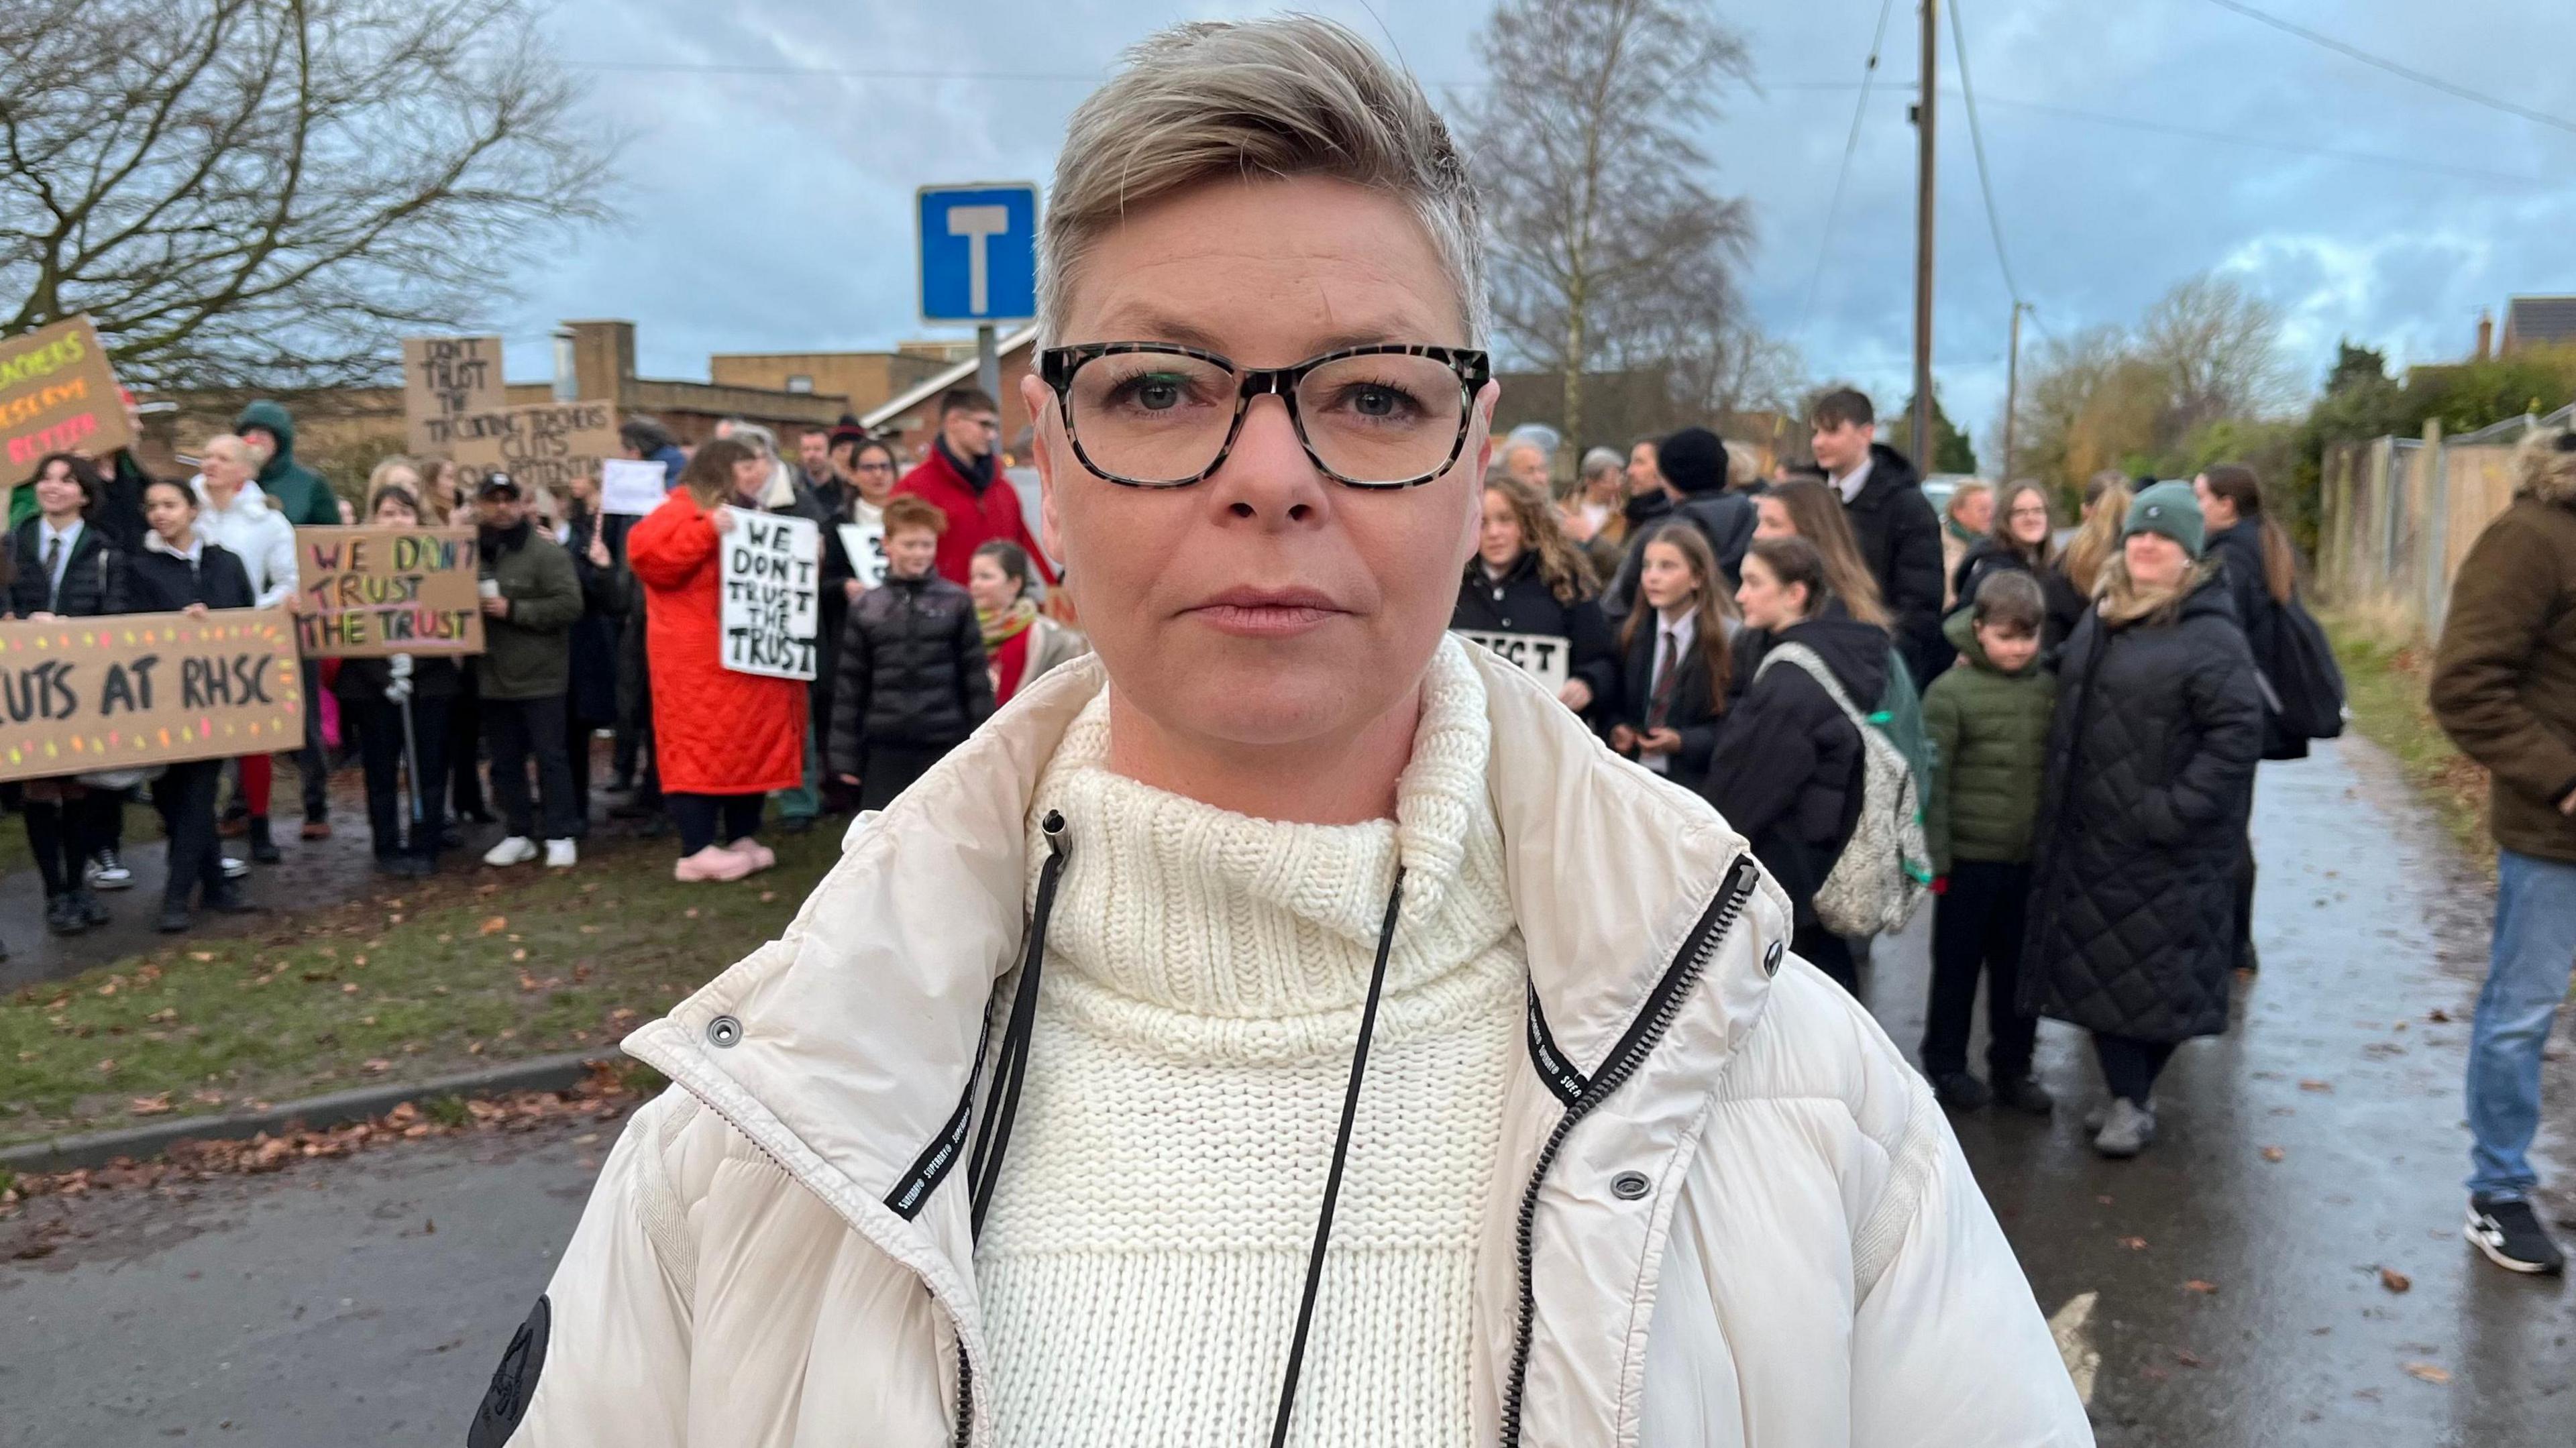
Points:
[1833,209]
[2407,72]
[1977,141]
[2236,138]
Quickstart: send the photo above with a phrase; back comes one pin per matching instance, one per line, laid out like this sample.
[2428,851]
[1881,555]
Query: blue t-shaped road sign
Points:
[979,252]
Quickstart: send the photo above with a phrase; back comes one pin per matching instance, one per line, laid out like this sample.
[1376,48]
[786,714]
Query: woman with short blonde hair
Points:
[1284,1025]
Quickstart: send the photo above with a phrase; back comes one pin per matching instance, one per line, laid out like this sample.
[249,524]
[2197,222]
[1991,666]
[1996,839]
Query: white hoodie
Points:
[254,532]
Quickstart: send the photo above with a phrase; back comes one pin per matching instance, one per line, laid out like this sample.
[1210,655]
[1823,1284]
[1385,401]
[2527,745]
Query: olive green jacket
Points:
[1989,735]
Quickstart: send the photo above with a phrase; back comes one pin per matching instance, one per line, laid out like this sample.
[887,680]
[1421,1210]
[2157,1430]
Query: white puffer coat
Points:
[1734,1214]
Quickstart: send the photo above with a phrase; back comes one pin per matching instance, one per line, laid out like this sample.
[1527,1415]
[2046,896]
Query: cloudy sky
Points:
[775,146]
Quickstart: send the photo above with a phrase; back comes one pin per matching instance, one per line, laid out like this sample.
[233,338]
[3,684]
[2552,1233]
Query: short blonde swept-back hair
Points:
[1291,95]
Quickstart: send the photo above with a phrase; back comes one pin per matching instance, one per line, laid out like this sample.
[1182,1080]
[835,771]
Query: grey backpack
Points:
[1884,872]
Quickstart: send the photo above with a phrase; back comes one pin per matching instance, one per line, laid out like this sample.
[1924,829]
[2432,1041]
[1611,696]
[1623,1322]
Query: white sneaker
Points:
[561,855]
[234,869]
[516,850]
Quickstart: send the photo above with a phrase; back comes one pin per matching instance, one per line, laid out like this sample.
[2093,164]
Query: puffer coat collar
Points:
[848,1064]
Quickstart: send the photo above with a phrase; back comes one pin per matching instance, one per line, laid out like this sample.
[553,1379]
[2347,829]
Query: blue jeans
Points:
[2527,972]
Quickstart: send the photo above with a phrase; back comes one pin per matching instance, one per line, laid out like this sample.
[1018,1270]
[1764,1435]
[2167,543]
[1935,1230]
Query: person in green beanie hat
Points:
[2150,782]
[2170,510]
[307,501]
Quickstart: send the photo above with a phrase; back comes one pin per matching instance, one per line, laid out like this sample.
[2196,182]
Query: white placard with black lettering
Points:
[865,543]
[631,487]
[1541,656]
[770,568]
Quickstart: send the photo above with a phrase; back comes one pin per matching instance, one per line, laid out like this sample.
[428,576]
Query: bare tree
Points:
[269,192]
[2205,352]
[2220,347]
[1596,192]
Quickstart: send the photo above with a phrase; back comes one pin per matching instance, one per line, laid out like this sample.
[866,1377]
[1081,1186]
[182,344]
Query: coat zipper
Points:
[1647,1030]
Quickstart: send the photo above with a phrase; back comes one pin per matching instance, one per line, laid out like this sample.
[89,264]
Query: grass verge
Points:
[2387,673]
[479,966]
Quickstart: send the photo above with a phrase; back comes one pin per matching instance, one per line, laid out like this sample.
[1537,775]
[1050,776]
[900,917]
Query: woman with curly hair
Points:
[1529,579]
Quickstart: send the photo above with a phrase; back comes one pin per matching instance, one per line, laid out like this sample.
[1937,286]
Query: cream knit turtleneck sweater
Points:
[1146,1250]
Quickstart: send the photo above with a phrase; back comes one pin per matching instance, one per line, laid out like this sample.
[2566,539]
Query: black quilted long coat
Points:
[2150,778]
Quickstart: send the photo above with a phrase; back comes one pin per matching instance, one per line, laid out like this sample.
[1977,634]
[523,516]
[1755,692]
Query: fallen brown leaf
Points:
[2134,1244]
[2188,1358]
[149,1105]
[496,925]
[2313,1085]
[2394,1280]
[2273,1153]
[2197,1285]
[2438,1016]
[2428,1372]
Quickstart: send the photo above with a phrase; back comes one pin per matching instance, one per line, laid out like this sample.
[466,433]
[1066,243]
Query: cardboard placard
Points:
[57,394]
[446,378]
[772,570]
[543,445]
[631,488]
[372,592]
[1543,657]
[134,690]
[865,543]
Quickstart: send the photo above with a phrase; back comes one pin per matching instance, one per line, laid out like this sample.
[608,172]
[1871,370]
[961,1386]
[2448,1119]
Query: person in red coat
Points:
[962,477]
[722,740]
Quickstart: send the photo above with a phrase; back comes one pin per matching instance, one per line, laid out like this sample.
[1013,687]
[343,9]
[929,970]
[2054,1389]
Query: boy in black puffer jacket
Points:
[1988,721]
[912,680]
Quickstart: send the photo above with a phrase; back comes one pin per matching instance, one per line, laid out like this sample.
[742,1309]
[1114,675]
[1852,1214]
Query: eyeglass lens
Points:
[1162,417]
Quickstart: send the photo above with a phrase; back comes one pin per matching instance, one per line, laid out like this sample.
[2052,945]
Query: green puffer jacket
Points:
[1989,733]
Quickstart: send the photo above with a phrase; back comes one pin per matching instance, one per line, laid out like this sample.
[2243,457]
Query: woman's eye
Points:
[1151,391]
[1379,401]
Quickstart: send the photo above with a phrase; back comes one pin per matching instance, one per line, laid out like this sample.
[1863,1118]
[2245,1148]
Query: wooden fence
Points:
[2399,515]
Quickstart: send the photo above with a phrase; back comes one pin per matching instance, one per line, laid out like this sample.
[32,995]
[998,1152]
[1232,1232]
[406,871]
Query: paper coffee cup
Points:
[489,587]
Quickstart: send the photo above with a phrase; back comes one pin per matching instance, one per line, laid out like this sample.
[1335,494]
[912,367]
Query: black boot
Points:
[175,918]
[263,849]
[227,899]
[63,916]
[93,910]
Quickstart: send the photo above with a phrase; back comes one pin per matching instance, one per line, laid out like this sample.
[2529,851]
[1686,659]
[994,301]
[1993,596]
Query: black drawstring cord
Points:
[984,1169]
[1333,1179]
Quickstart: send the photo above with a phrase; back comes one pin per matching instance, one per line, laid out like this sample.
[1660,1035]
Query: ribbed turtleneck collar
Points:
[1177,907]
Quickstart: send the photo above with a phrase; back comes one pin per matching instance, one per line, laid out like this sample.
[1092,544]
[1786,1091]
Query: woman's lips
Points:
[1257,613]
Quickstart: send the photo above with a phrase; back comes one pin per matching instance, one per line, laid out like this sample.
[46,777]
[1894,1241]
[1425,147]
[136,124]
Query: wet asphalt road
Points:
[2235,1299]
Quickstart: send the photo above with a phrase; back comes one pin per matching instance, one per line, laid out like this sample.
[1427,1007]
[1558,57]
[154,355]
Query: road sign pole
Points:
[988,362]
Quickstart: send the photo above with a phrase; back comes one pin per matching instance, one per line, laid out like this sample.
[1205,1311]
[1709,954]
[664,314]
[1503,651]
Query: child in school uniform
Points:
[1987,720]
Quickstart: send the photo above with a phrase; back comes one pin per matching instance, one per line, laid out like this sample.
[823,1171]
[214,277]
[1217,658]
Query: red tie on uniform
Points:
[1664,677]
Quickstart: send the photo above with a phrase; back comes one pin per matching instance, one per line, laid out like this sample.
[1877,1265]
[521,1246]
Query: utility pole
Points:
[1923,133]
[2012,392]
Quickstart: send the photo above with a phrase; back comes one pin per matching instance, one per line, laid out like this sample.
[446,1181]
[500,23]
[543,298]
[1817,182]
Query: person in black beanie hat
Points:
[1693,462]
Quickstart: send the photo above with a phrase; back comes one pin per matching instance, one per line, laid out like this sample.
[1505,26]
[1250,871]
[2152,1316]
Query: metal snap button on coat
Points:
[1771,958]
[1628,1186]
[724,1031]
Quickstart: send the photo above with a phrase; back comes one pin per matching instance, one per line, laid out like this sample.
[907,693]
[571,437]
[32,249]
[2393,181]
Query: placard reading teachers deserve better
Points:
[134,690]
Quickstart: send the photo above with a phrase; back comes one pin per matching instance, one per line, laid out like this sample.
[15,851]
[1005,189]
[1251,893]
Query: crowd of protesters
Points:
[2081,710]
[594,624]
[2081,703]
